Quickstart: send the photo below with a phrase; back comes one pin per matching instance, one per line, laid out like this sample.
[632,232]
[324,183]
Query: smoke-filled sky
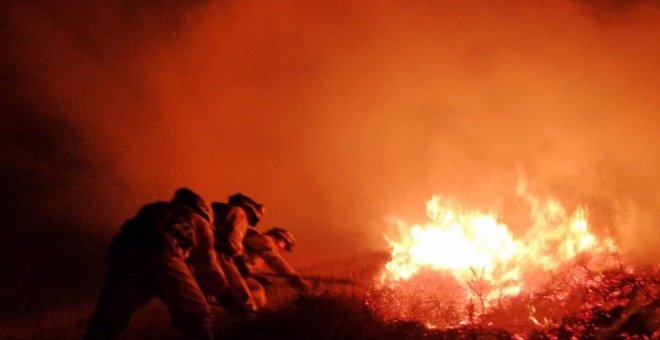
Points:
[335,114]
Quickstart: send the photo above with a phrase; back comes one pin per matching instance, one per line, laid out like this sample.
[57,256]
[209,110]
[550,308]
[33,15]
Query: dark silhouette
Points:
[165,251]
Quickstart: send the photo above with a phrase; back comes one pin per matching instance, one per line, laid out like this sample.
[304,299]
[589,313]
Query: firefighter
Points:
[233,220]
[265,252]
[165,251]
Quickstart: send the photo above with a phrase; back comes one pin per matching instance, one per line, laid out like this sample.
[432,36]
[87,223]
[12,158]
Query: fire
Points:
[483,255]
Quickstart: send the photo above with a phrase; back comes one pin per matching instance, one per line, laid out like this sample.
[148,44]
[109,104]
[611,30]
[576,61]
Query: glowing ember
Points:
[482,254]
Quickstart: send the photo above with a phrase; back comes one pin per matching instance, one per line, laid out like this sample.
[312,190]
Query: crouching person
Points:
[264,252]
[165,251]
[233,220]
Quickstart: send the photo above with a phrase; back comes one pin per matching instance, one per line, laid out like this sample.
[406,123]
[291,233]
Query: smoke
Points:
[332,114]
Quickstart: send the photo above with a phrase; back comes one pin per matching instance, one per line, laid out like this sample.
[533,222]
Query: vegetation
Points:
[616,304]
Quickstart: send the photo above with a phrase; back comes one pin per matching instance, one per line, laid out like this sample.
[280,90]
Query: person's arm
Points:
[234,229]
[207,270]
[266,248]
[237,226]
[274,259]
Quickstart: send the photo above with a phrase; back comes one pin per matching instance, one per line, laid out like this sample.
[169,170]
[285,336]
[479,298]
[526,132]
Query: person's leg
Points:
[179,290]
[124,292]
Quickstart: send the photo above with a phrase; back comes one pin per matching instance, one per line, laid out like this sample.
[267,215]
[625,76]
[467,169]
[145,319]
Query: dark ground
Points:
[616,305]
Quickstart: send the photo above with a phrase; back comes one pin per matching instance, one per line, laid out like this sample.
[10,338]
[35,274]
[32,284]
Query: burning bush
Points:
[465,268]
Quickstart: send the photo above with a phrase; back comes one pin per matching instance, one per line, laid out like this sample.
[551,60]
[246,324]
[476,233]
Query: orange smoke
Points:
[473,246]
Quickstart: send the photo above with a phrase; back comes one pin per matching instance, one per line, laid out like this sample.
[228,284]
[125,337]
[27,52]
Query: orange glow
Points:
[473,246]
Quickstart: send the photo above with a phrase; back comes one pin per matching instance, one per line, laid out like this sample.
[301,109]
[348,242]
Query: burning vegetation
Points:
[332,111]
[464,268]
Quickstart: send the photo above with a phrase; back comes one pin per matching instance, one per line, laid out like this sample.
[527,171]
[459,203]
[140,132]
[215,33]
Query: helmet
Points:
[253,209]
[191,199]
[284,236]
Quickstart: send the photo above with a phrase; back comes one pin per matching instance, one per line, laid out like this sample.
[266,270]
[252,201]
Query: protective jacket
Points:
[261,247]
[231,230]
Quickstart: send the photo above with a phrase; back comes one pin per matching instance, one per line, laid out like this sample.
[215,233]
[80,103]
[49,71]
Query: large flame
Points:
[473,246]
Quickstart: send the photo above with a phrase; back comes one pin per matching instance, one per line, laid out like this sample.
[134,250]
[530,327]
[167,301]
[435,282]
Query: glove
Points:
[250,306]
[298,283]
[242,266]
[233,303]
[262,279]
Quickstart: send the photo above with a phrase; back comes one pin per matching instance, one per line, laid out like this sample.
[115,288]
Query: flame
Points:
[474,247]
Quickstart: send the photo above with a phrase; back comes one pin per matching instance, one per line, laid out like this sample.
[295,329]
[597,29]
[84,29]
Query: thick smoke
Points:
[333,114]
